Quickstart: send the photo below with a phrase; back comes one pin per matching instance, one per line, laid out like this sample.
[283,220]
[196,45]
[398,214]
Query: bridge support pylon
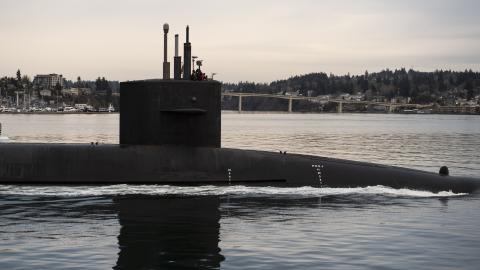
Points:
[340,107]
[391,108]
[290,101]
[239,104]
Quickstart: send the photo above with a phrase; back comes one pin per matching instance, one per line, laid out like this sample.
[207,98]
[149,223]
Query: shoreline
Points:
[255,112]
[59,112]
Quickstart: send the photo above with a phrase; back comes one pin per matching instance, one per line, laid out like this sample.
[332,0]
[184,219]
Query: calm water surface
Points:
[237,227]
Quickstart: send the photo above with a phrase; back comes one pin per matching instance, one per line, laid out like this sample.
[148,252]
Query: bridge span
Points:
[390,107]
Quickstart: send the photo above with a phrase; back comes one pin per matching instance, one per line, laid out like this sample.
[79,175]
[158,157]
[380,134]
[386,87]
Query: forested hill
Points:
[422,87]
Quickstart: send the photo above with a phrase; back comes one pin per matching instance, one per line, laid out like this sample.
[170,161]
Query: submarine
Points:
[170,133]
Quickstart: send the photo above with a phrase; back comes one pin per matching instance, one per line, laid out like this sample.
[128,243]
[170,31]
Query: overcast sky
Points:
[259,40]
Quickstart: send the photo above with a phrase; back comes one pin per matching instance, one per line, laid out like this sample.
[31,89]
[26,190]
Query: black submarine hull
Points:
[24,163]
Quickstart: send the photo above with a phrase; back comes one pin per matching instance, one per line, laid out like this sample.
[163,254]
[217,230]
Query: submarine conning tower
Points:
[182,112]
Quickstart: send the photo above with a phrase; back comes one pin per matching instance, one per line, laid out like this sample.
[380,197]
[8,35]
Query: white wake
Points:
[212,190]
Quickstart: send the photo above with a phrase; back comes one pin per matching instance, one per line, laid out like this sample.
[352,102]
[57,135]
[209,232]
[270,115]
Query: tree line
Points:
[421,87]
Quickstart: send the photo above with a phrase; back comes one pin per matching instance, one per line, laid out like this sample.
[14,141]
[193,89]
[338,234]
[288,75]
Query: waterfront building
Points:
[457,109]
[81,106]
[71,92]
[84,91]
[45,93]
[357,97]
[295,93]
[402,100]
[48,81]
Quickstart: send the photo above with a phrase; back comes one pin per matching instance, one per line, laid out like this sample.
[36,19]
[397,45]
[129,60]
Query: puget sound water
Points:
[238,227]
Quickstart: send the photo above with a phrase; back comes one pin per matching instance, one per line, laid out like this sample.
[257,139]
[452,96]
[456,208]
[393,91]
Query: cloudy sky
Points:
[254,40]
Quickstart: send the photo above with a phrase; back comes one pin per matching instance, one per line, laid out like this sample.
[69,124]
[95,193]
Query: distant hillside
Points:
[421,87]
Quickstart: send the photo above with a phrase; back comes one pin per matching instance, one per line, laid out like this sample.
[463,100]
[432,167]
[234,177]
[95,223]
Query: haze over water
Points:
[236,227]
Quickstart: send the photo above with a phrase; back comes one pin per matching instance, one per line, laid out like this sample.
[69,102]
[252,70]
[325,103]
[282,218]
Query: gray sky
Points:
[259,40]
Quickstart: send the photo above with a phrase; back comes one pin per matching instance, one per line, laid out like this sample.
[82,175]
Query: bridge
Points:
[390,107]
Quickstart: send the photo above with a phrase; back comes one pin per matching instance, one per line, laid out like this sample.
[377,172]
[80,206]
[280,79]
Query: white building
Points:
[45,93]
[48,81]
[71,92]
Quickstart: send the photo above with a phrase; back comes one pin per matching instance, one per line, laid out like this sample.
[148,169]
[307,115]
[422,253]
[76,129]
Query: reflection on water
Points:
[239,231]
[155,232]
[38,232]
[349,232]
[168,232]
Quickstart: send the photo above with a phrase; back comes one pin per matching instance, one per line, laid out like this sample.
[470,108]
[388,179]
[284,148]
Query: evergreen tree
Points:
[469,88]
[19,79]
[404,87]
[108,97]
[98,84]
[363,83]
[27,83]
